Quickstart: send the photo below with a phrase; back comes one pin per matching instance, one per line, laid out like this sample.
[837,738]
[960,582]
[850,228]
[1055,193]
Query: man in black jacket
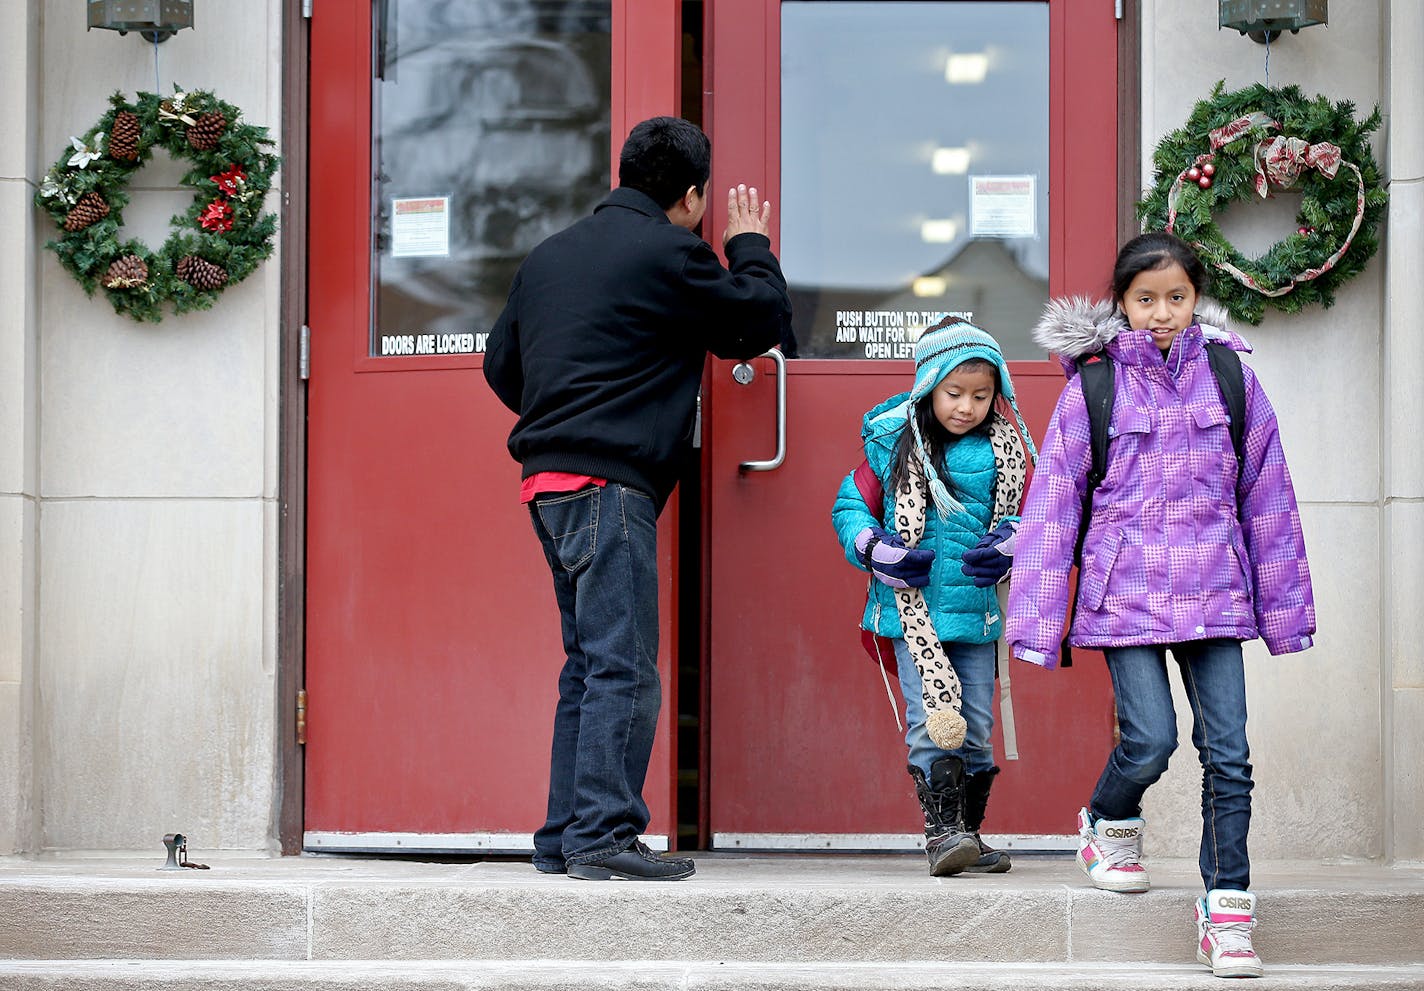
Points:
[600,351]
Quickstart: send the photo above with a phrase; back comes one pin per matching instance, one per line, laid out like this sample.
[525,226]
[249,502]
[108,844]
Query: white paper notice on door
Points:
[1003,206]
[420,226]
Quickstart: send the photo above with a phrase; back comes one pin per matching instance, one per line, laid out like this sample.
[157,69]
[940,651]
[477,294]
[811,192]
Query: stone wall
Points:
[19,306]
[1403,559]
[144,503]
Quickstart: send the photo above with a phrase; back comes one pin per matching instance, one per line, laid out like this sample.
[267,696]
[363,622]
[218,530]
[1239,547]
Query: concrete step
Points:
[786,909]
[489,975]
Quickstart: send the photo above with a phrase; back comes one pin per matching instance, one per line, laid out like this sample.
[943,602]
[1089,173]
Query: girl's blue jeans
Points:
[974,663]
[1215,683]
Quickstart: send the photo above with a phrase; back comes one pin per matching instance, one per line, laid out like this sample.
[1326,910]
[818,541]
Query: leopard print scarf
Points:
[940,689]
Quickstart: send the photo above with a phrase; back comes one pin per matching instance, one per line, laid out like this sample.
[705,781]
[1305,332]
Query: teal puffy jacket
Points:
[960,611]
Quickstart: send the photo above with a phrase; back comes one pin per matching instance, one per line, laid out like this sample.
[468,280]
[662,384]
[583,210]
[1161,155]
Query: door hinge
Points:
[302,718]
[304,353]
[306,8]
[1117,9]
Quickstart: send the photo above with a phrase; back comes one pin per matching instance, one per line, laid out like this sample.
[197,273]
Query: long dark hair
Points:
[938,440]
[1151,251]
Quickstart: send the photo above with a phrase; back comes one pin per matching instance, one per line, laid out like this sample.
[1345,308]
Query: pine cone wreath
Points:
[204,134]
[123,137]
[201,274]
[126,272]
[90,209]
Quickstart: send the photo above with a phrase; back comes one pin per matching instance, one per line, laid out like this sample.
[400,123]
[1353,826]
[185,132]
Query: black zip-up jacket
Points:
[602,342]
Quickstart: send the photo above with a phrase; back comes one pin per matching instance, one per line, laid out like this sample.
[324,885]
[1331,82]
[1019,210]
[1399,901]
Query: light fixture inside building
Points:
[156,20]
[1263,20]
[951,161]
[967,68]
[929,285]
[938,231]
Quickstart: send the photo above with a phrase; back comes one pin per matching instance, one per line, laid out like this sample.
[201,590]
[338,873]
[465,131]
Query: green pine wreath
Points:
[221,238]
[1260,138]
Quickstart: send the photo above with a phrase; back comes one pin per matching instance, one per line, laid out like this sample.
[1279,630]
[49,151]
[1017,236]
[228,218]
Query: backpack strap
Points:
[1095,372]
[1226,366]
[880,649]
[868,484]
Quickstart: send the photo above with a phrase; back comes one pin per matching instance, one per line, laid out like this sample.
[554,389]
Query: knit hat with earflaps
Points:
[941,349]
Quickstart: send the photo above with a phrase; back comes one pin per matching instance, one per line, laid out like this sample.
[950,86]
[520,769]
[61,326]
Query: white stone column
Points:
[1403,544]
[19,112]
[154,673]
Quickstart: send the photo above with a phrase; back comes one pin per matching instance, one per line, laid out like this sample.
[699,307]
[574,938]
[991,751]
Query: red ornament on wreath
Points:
[231,180]
[217,217]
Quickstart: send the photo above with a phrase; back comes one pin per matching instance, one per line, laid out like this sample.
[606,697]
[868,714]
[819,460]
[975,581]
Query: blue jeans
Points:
[974,663]
[601,545]
[1215,683]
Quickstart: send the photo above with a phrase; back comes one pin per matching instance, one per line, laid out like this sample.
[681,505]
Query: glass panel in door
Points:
[914,158]
[490,132]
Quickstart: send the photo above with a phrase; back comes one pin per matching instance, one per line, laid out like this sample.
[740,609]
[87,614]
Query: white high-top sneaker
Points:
[1224,921]
[1110,853]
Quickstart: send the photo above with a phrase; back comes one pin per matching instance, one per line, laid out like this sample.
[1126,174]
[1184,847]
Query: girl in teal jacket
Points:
[951,460]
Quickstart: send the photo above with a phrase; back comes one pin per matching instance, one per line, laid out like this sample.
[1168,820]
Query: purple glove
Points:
[887,558]
[990,560]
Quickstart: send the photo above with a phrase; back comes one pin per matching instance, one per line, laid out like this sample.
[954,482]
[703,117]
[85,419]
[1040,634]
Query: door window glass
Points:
[490,133]
[914,171]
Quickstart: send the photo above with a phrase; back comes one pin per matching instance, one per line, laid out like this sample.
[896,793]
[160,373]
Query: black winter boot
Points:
[948,846]
[976,800]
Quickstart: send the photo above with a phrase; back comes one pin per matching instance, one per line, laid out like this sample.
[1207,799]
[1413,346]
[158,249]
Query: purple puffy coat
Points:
[1166,558]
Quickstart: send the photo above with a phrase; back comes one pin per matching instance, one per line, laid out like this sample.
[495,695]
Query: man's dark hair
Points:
[663,156]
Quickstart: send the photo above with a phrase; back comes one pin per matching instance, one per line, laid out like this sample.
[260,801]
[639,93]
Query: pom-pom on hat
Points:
[941,349]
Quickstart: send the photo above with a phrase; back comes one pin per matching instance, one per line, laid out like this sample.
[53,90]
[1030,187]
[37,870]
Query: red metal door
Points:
[432,639]
[804,751]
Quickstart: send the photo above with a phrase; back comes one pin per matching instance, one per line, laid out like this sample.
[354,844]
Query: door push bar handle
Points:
[742,374]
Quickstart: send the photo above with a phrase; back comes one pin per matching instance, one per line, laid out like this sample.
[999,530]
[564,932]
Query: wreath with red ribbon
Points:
[216,243]
[1244,146]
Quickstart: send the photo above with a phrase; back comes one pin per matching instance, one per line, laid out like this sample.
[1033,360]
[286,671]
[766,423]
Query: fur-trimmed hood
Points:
[1076,325]
[1073,326]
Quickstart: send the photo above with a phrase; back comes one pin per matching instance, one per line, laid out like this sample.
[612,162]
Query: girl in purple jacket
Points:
[1183,552]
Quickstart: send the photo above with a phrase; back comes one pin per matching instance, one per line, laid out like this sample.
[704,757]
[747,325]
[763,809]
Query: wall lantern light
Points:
[156,20]
[1263,20]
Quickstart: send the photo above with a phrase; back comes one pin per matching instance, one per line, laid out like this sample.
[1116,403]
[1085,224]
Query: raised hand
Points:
[746,213]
